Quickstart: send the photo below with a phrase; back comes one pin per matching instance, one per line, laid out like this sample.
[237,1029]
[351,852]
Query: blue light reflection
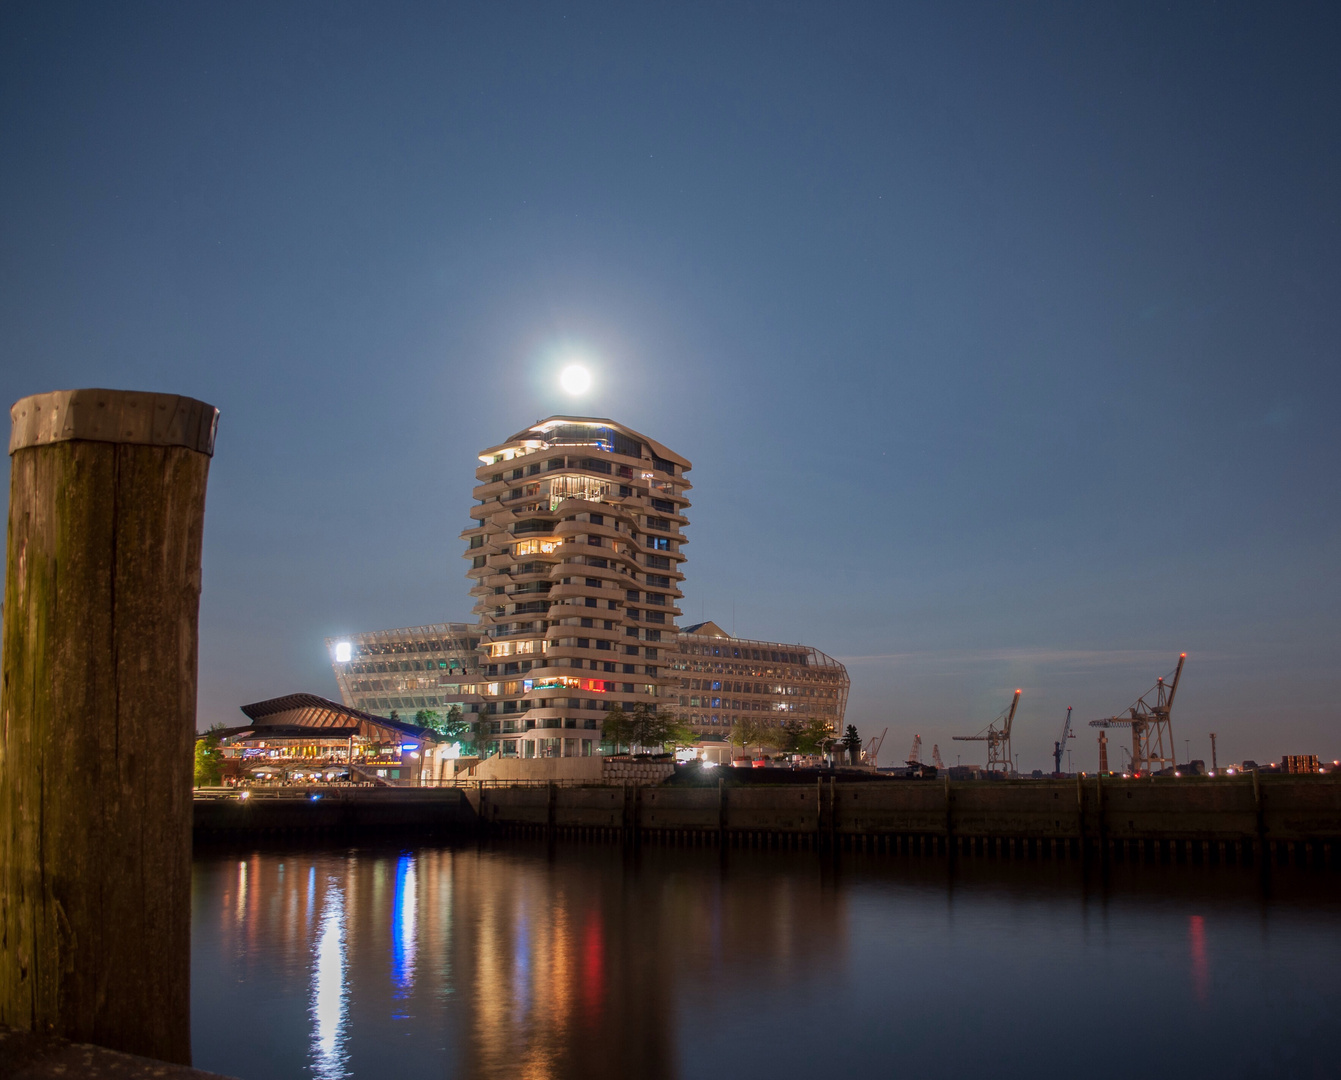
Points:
[403,929]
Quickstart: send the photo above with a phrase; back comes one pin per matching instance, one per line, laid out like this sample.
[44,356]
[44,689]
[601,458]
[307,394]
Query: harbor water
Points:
[574,960]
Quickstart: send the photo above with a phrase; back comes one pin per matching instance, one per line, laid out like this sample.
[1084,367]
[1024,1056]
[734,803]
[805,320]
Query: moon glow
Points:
[575,379]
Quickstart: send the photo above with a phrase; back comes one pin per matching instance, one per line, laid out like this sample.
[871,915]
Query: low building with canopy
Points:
[306,737]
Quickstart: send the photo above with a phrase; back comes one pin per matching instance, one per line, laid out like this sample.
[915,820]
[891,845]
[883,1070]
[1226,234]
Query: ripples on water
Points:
[522,961]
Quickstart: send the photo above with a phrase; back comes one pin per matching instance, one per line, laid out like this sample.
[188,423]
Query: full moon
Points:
[575,379]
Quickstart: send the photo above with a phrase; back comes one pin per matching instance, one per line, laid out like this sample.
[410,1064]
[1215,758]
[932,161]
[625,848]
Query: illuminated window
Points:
[586,488]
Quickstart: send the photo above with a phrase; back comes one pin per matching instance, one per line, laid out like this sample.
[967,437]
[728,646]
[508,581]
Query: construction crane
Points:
[917,768]
[997,737]
[936,757]
[1060,744]
[872,751]
[1151,729]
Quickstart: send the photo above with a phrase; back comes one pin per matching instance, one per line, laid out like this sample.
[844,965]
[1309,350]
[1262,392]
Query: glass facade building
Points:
[723,680]
[419,667]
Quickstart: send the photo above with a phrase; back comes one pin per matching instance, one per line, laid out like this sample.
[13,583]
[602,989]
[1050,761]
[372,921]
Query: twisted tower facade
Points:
[576,560]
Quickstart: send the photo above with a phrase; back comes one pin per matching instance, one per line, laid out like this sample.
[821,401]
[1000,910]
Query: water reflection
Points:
[594,962]
[241,889]
[1196,939]
[403,929]
[329,998]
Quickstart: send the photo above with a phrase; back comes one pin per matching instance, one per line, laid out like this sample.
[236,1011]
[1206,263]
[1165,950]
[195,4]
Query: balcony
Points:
[539,545]
[523,528]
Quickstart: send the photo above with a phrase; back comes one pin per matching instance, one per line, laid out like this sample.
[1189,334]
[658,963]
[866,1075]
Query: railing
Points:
[278,791]
[471,783]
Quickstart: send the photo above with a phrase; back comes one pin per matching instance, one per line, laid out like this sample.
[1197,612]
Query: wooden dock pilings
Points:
[1224,819]
[102,590]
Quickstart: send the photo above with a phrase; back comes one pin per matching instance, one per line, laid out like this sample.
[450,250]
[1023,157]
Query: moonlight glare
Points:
[575,379]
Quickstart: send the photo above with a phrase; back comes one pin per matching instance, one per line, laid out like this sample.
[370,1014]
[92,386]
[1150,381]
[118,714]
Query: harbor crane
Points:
[1152,746]
[872,751]
[997,737]
[916,766]
[936,757]
[1060,745]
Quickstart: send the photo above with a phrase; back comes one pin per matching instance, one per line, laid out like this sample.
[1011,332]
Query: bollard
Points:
[97,721]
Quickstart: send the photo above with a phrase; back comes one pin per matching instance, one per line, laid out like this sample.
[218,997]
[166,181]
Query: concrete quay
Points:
[1282,818]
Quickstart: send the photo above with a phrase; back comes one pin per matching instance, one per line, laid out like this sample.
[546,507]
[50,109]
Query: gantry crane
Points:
[872,751]
[1060,745]
[1151,729]
[917,768]
[997,737]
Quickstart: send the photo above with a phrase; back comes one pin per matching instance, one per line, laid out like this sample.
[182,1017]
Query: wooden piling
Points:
[97,721]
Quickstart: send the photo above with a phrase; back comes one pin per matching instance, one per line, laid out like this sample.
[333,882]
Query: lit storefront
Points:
[303,737]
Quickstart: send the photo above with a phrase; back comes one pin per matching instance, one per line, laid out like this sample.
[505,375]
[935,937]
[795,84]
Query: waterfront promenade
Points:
[1240,819]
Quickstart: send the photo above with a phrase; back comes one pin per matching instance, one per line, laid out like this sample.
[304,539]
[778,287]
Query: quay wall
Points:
[565,770]
[220,814]
[587,770]
[975,815]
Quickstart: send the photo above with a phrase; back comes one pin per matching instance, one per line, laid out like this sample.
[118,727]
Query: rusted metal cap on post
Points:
[114,416]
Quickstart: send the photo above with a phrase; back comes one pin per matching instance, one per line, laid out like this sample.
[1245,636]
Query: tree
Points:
[788,737]
[209,760]
[616,729]
[748,732]
[681,734]
[649,729]
[815,736]
[653,730]
[450,728]
[646,729]
[457,728]
[852,741]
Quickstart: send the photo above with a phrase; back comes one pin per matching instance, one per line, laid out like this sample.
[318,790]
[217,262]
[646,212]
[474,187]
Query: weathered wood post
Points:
[97,716]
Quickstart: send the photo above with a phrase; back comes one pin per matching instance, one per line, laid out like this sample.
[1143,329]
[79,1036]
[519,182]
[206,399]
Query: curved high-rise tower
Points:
[575,566]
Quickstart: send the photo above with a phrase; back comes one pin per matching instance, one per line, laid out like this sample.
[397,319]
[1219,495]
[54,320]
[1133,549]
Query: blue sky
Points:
[1003,338]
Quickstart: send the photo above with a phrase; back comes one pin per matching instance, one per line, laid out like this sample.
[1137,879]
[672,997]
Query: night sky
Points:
[1003,337]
